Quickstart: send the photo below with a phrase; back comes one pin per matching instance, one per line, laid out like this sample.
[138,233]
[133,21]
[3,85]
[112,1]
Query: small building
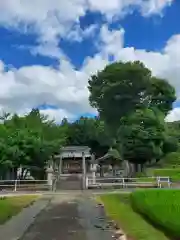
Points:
[71,159]
[111,160]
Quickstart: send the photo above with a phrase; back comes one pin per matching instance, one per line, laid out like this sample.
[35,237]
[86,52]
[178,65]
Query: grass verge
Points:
[173,173]
[118,208]
[11,206]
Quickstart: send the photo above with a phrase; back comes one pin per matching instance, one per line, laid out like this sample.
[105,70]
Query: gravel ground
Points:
[69,217]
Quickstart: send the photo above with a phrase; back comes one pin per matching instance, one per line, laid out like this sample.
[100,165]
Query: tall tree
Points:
[91,132]
[121,88]
[29,142]
[133,104]
[142,136]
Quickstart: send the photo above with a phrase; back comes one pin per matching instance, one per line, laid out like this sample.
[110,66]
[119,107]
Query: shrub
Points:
[172,159]
[161,207]
[173,173]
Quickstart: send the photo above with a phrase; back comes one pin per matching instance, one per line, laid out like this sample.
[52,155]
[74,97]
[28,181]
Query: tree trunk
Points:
[127,168]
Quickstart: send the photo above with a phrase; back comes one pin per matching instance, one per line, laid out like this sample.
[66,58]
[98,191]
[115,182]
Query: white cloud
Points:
[77,34]
[53,18]
[46,49]
[27,87]
[113,9]
[57,114]
[65,87]
[111,41]
[154,7]
[174,115]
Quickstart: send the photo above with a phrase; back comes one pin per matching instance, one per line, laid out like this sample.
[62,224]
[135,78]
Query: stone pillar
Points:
[50,176]
[93,168]
[60,165]
[83,170]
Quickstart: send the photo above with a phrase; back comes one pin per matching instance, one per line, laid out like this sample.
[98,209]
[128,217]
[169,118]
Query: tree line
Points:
[132,106]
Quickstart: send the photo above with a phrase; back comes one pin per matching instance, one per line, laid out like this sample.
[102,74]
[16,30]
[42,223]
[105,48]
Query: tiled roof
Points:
[75,148]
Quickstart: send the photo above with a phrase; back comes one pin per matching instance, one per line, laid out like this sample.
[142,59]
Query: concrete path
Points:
[70,217]
[17,225]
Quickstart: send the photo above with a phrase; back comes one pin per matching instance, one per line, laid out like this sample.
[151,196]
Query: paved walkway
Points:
[69,217]
[17,225]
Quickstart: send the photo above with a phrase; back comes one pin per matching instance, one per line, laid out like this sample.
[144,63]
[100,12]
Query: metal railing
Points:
[24,185]
[116,182]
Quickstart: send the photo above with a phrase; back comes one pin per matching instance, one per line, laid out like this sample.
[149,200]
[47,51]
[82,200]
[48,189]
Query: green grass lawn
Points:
[118,208]
[173,173]
[10,206]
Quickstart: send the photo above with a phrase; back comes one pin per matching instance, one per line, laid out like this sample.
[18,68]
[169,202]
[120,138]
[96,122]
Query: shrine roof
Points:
[75,149]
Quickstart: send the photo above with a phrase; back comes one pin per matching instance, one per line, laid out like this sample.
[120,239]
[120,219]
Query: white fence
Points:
[24,185]
[115,182]
[105,182]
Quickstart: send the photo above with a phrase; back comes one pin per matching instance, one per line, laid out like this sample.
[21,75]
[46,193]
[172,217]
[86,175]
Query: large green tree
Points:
[29,142]
[133,104]
[142,136]
[121,88]
[91,132]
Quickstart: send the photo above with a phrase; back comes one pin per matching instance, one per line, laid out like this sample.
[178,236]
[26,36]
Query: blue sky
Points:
[48,51]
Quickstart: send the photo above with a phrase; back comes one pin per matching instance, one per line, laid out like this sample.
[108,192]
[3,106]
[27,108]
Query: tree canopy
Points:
[133,104]
[142,135]
[29,141]
[121,88]
[91,132]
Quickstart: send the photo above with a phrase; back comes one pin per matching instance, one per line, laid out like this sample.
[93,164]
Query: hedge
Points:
[161,207]
[173,173]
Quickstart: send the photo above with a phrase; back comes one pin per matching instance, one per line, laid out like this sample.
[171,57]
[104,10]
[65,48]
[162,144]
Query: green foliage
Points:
[161,207]
[173,173]
[172,159]
[133,105]
[142,135]
[118,208]
[29,141]
[170,144]
[13,205]
[121,88]
[91,132]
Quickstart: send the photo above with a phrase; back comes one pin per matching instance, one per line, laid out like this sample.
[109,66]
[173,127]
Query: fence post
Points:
[123,183]
[87,182]
[157,180]
[15,186]
[169,183]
